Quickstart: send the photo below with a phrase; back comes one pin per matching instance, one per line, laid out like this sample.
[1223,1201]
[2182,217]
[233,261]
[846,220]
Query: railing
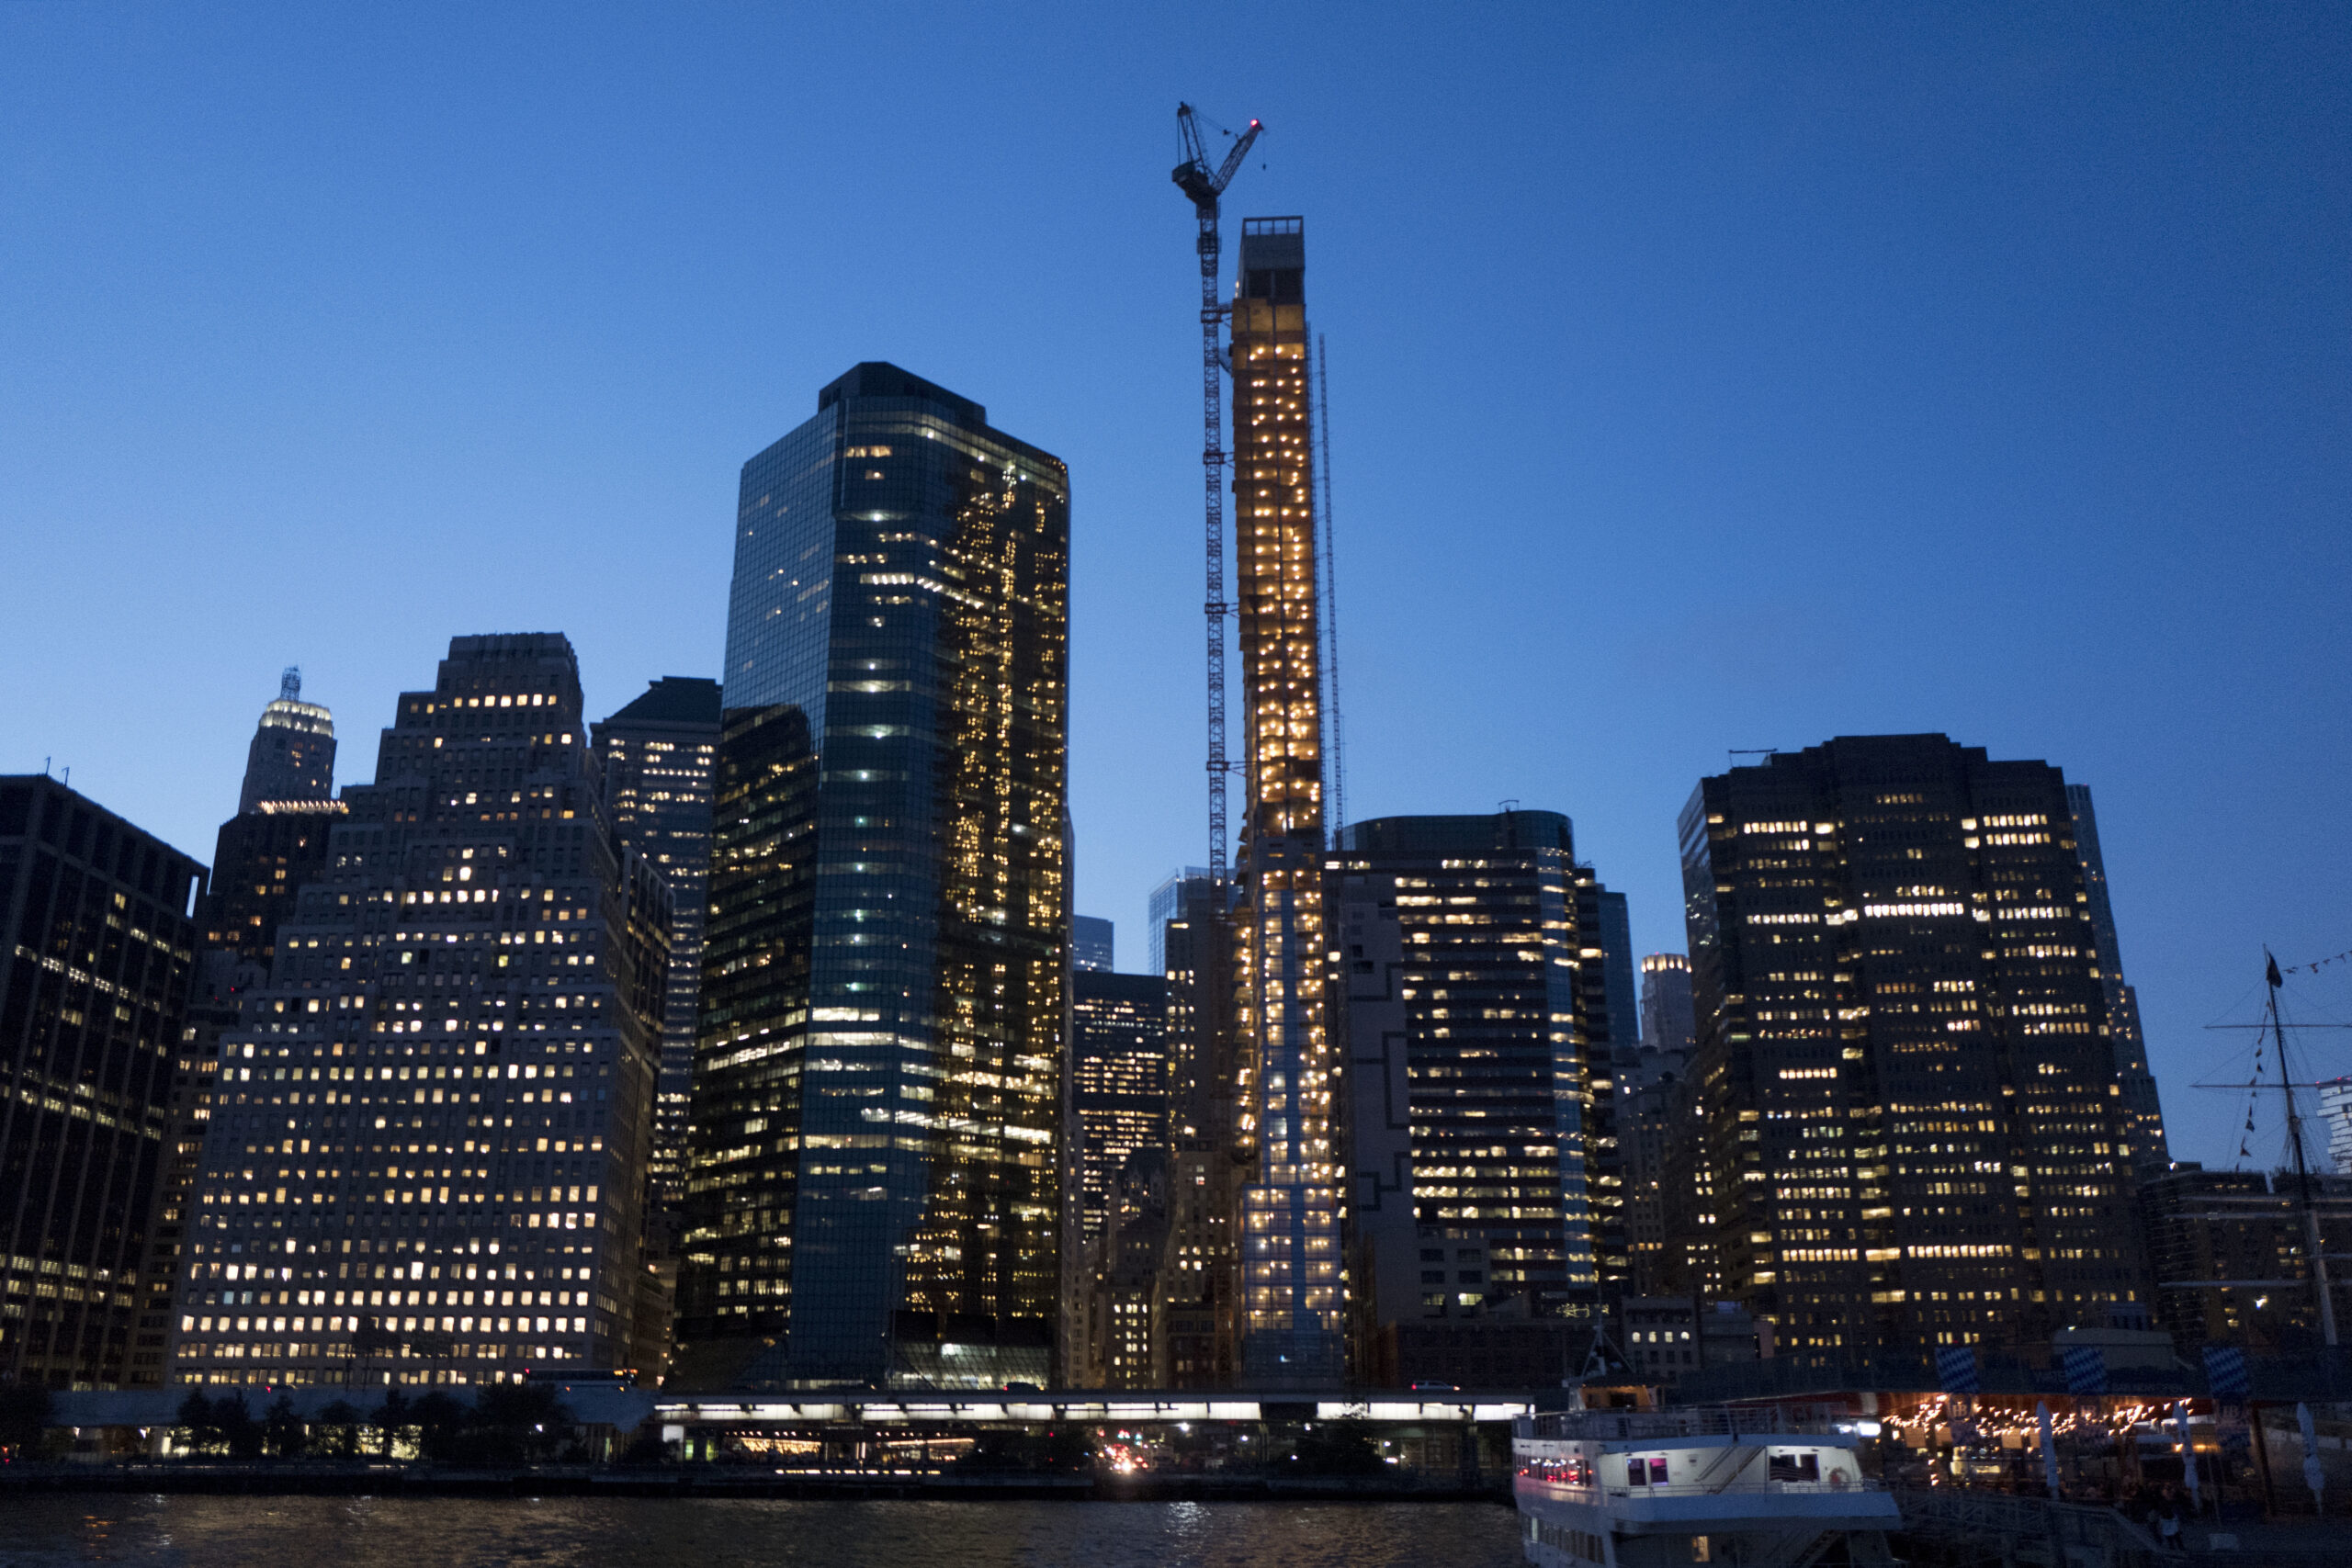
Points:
[1761,1422]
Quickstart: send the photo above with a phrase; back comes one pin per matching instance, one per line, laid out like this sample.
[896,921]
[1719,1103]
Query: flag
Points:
[2273,976]
[1956,1369]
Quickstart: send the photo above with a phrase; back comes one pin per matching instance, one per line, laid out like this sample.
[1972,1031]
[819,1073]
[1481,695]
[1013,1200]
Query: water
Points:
[368,1532]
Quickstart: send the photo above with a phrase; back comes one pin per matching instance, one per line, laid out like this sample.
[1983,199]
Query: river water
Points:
[559,1532]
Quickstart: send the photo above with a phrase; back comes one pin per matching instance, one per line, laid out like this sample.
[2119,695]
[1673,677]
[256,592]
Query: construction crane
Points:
[1205,186]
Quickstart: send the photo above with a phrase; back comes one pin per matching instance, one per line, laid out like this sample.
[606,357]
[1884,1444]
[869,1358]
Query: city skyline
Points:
[2216,752]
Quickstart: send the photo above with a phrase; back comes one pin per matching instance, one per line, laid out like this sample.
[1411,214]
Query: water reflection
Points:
[558,1532]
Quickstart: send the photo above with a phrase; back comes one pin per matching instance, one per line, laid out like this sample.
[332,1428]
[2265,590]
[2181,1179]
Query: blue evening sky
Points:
[1703,377]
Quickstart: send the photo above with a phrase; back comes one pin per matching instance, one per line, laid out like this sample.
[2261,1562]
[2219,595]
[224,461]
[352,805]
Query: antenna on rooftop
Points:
[289,684]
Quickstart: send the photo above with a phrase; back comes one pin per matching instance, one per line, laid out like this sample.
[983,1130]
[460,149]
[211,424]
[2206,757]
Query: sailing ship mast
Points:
[2312,1249]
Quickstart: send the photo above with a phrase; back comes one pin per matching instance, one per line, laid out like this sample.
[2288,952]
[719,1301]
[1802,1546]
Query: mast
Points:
[2311,1246]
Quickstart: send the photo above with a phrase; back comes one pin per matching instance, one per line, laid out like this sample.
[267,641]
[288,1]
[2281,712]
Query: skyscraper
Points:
[427,1146]
[1913,1122]
[2151,1155]
[658,754]
[1650,1099]
[1118,1137]
[1294,1294]
[1197,1298]
[875,1190]
[93,995]
[1469,1065]
[278,841]
[1668,1021]
[1166,901]
[1090,944]
[292,754]
[1616,944]
[1119,1075]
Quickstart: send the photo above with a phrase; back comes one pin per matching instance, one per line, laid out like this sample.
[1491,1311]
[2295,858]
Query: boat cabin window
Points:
[1795,1467]
[1645,1472]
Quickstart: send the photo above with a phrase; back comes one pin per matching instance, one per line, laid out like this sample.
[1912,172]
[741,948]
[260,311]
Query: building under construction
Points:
[1293,1290]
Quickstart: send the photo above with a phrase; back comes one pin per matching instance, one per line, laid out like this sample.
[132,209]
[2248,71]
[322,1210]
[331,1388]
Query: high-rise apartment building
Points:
[291,757]
[94,991]
[1292,1287]
[1091,943]
[1913,1122]
[1469,1067]
[875,1190]
[658,754]
[2151,1155]
[428,1134]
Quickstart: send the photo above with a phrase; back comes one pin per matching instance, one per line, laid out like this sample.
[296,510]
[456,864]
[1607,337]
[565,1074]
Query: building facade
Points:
[1164,905]
[1293,1286]
[1118,1079]
[1912,1124]
[1198,1298]
[291,757]
[2151,1155]
[875,1190]
[429,1129]
[2229,1253]
[658,755]
[94,995]
[278,841]
[1091,943]
[1469,1067]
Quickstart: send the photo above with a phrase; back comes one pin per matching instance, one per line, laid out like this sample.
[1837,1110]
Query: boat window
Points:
[1795,1467]
[1636,1473]
[1657,1472]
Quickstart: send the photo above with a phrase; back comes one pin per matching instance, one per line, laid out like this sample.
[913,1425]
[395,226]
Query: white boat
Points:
[1759,1488]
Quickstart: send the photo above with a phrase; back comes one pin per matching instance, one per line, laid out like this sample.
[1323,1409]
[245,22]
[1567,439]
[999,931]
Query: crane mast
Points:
[1205,187]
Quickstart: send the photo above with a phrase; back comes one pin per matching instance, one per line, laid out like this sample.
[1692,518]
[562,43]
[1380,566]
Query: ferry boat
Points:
[1759,1488]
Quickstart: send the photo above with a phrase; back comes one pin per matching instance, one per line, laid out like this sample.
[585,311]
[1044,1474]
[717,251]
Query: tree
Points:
[338,1428]
[389,1417]
[24,1415]
[519,1423]
[440,1420]
[237,1427]
[200,1420]
[287,1436]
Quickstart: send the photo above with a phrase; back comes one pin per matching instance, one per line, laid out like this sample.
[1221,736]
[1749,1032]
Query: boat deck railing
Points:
[1761,1422]
[1731,1489]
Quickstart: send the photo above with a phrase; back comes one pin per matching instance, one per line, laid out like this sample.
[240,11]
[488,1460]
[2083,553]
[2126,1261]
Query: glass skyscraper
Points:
[875,1185]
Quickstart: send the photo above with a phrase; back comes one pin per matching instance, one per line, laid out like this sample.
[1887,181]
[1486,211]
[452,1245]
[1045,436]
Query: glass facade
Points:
[875,1190]
[1913,1122]
[2151,1154]
[658,754]
[426,1146]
